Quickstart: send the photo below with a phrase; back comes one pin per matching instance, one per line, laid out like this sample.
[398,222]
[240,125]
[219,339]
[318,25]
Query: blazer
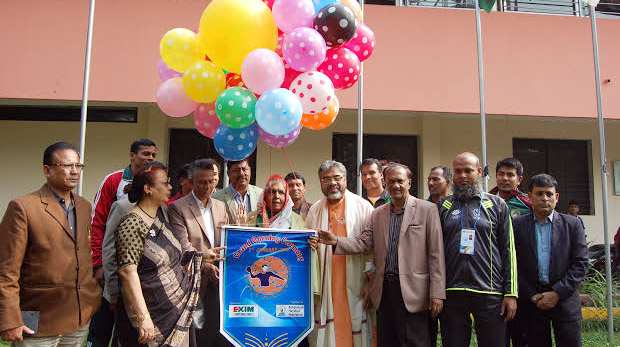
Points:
[567,268]
[43,267]
[226,196]
[185,218]
[118,210]
[421,264]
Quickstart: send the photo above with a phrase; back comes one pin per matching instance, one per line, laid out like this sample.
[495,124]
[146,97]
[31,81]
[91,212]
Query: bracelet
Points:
[140,319]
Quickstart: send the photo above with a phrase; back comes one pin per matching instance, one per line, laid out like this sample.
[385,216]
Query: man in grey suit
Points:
[240,195]
[201,218]
[553,258]
[409,285]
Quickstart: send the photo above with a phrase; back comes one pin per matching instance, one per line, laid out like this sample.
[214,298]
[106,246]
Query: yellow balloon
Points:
[355,6]
[203,81]
[230,29]
[179,49]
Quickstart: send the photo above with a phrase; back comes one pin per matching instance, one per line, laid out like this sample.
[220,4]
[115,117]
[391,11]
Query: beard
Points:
[467,192]
[336,196]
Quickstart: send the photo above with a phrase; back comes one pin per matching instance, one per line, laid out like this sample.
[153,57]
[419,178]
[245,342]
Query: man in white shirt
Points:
[200,217]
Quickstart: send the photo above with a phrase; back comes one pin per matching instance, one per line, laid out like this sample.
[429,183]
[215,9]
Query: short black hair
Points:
[295,175]
[370,161]
[53,148]
[135,146]
[510,162]
[393,166]
[184,171]
[544,181]
[204,164]
[573,202]
[447,172]
[235,162]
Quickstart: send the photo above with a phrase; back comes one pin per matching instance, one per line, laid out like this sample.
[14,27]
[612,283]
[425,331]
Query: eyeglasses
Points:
[68,167]
[329,179]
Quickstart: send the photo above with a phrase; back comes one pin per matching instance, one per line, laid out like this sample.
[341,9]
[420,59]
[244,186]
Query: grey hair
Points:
[328,164]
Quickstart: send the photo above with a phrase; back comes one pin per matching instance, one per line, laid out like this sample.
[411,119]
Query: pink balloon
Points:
[362,43]
[314,90]
[280,43]
[269,3]
[166,73]
[279,140]
[304,49]
[262,70]
[172,100]
[291,14]
[206,120]
[342,66]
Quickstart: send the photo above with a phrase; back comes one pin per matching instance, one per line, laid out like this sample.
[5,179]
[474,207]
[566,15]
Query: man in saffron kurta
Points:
[340,318]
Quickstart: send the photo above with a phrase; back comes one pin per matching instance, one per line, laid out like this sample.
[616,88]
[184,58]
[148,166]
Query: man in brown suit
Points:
[201,218]
[409,284]
[45,263]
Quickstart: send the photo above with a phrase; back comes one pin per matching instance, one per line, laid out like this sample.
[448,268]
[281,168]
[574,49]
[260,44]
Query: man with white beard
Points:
[481,272]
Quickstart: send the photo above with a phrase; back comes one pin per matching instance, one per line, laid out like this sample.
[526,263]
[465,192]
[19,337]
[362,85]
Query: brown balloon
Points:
[336,23]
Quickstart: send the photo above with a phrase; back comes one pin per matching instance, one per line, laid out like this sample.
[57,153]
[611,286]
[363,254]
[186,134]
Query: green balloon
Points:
[235,107]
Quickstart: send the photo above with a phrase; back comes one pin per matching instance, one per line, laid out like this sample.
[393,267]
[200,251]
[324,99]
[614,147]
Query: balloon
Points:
[230,29]
[304,49]
[172,100]
[262,70]
[342,67]
[269,3]
[280,43]
[336,23]
[319,4]
[234,80]
[235,144]
[203,81]
[362,43]
[205,119]
[322,120]
[289,75]
[278,111]
[166,73]
[179,49]
[291,14]
[315,91]
[279,140]
[235,107]
[356,7]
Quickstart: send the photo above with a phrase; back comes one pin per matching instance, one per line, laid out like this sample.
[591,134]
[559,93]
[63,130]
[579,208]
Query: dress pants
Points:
[101,326]
[210,335]
[456,321]
[537,325]
[515,332]
[395,325]
[75,339]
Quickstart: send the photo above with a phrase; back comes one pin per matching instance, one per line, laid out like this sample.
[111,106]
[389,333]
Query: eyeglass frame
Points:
[329,179]
[68,167]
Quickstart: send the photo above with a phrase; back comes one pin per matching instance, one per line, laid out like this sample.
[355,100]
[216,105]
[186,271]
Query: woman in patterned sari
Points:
[159,280]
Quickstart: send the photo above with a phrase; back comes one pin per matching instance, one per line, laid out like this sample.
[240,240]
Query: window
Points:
[385,148]
[69,113]
[568,161]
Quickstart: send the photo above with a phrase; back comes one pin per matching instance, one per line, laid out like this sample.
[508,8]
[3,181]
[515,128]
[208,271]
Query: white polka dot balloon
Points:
[336,23]
[363,42]
[206,120]
[291,14]
[235,144]
[342,66]
[279,140]
[314,90]
[303,49]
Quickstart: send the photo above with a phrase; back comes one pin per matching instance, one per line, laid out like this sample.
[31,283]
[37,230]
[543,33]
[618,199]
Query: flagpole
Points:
[483,118]
[84,110]
[601,135]
[360,119]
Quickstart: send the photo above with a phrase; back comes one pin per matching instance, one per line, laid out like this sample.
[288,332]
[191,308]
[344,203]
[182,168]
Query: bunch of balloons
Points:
[262,69]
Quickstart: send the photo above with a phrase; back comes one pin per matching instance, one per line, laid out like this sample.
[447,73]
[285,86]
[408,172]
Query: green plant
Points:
[595,286]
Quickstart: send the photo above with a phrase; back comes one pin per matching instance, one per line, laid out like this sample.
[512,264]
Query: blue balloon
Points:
[278,111]
[235,144]
[319,4]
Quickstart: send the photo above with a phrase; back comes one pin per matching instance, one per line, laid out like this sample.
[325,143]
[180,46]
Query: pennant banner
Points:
[266,287]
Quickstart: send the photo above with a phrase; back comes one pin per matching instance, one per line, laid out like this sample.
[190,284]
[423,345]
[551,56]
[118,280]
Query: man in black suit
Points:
[549,280]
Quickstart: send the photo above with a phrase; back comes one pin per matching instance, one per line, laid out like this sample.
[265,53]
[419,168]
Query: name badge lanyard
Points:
[468,236]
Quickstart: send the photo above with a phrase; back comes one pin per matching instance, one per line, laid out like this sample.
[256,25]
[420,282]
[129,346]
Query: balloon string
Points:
[270,171]
[288,162]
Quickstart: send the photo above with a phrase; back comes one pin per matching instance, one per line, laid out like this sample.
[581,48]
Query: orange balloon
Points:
[322,120]
[355,6]
[234,80]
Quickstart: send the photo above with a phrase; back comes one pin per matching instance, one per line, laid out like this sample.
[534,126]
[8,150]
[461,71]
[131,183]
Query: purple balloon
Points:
[166,73]
[304,49]
[279,140]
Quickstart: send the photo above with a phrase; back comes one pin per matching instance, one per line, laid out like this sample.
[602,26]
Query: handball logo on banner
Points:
[268,276]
